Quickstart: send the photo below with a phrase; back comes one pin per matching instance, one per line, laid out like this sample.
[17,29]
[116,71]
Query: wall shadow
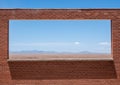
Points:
[32,70]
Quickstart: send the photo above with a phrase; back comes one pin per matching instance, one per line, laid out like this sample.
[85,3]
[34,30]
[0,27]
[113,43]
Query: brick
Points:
[17,69]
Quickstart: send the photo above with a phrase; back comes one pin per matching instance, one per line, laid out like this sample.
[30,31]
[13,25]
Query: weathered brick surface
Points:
[6,77]
[62,70]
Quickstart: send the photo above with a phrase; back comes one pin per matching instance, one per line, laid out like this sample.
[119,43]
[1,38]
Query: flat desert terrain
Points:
[38,56]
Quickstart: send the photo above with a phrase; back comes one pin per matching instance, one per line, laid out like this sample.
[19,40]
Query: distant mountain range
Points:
[54,52]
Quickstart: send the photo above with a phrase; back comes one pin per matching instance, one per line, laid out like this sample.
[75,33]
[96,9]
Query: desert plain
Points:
[38,56]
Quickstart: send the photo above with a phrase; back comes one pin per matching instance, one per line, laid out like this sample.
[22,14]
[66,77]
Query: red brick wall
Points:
[5,66]
[85,69]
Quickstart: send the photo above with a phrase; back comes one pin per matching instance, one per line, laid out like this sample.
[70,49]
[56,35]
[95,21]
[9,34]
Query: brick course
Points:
[69,14]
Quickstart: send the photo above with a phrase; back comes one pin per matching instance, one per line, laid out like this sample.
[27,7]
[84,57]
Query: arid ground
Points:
[37,56]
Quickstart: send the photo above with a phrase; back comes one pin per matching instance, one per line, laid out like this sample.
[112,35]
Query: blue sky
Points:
[59,4]
[60,35]
[100,34]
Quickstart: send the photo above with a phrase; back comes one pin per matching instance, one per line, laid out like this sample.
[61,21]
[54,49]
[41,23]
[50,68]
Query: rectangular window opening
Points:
[60,40]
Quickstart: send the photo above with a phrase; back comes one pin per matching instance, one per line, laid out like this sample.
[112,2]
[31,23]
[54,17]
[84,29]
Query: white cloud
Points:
[77,43]
[46,44]
[104,43]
